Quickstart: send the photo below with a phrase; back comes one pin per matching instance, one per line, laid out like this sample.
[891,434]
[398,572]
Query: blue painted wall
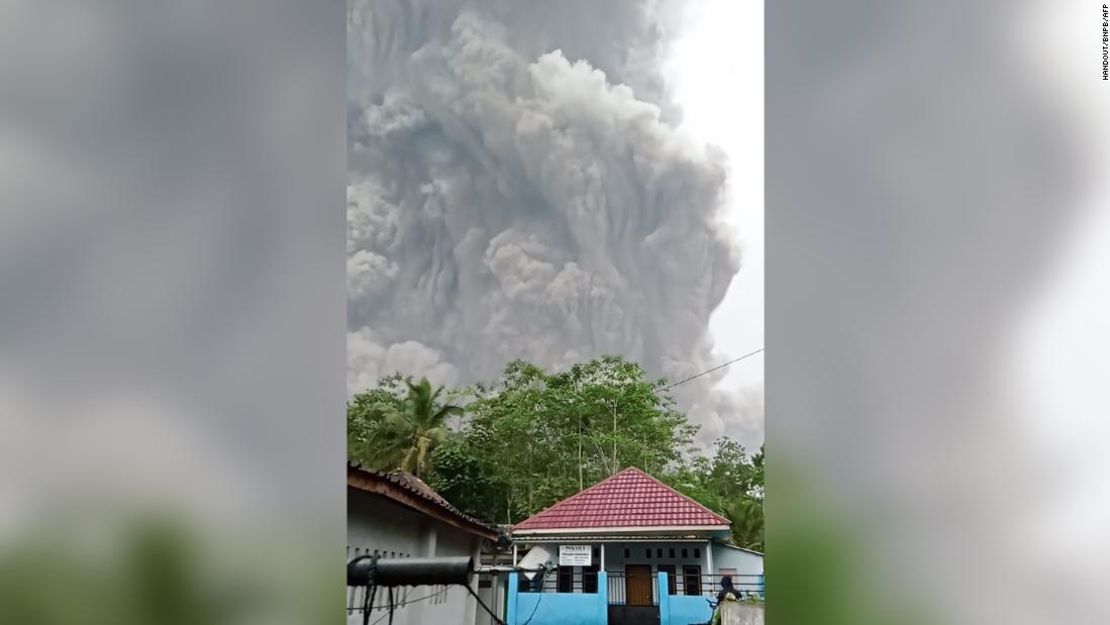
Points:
[686,610]
[552,608]
[511,599]
[681,609]
[556,608]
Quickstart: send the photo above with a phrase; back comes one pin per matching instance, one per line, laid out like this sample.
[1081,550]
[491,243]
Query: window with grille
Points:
[566,579]
[691,580]
[589,579]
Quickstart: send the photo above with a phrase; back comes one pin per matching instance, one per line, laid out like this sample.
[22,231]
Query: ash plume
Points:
[517,189]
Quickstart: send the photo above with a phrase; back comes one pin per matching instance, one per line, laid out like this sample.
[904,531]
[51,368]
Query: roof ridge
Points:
[576,495]
[686,497]
[574,507]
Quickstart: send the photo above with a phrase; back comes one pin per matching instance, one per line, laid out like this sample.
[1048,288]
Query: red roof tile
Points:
[630,498]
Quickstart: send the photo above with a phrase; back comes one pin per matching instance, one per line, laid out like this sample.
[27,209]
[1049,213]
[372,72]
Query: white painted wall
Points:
[725,559]
[494,596]
[376,523]
[696,553]
[743,562]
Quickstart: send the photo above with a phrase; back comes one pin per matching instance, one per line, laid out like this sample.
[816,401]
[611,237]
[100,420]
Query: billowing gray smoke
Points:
[517,190]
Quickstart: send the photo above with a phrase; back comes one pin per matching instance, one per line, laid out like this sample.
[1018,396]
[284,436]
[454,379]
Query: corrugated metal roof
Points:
[414,485]
[630,498]
[751,551]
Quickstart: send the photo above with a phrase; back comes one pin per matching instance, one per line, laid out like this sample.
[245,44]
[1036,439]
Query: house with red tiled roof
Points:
[647,551]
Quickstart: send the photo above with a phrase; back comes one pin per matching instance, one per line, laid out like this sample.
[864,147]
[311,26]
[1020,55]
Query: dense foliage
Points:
[534,437]
[395,429]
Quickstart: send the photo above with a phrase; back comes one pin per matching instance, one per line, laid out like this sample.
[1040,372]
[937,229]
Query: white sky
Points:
[1062,354]
[1061,357]
[717,71]
[1062,351]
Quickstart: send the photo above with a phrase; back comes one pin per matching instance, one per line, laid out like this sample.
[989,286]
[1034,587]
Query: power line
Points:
[708,371]
[534,608]
[496,619]
[402,604]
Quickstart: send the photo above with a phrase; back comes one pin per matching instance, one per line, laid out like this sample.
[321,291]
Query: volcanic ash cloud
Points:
[517,190]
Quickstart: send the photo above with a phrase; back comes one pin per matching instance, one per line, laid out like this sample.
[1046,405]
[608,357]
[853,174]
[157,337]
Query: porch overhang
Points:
[599,538]
[691,531]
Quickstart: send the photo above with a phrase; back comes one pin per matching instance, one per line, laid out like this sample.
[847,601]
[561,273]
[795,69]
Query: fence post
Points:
[602,598]
[510,608]
[664,599]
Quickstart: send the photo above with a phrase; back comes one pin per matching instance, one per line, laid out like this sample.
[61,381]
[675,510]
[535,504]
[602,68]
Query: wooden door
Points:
[637,579]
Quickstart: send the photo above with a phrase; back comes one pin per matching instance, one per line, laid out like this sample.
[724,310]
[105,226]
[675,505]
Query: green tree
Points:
[547,435]
[367,410]
[730,482]
[746,515]
[533,437]
[466,478]
[400,432]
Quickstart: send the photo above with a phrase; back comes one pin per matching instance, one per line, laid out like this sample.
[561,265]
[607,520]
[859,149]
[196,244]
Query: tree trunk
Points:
[614,439]
[579,450]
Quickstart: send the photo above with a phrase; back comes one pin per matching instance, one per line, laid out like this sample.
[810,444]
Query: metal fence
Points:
[560,581]
[709,585]
[642,589]
[680,583]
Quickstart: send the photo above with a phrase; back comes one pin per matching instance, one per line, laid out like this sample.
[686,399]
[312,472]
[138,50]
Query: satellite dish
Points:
[537,557]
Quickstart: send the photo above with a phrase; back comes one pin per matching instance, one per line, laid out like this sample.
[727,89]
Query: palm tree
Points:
[407,433]
[746,515]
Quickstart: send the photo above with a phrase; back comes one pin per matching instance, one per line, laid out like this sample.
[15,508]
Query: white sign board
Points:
[575,555]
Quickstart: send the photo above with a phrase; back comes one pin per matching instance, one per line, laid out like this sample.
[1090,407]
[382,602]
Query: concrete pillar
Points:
[602,598]
[510,609]
[664,599]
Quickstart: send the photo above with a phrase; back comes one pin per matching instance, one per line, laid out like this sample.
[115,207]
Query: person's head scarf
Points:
[728,589]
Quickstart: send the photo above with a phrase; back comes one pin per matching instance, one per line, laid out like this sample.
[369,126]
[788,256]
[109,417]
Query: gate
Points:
[632,597]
